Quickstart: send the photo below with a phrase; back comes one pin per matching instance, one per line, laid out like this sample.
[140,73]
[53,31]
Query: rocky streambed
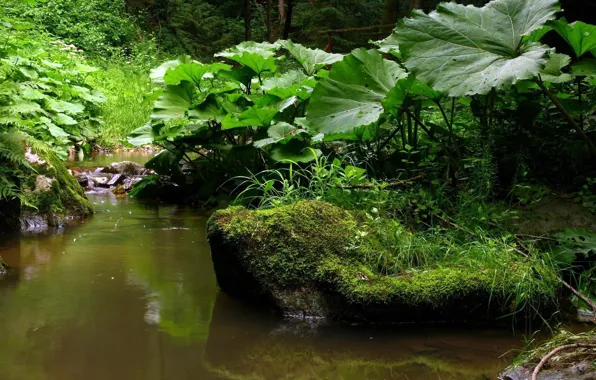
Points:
[117,178]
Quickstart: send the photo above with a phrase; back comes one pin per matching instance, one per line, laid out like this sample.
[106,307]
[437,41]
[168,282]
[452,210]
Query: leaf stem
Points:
[567,115]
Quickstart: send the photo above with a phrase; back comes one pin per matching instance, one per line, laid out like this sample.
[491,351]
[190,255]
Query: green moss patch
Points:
[315,251]
[51,189]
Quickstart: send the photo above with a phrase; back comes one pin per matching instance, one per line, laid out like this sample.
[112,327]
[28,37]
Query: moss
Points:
[314,245]
[65,196]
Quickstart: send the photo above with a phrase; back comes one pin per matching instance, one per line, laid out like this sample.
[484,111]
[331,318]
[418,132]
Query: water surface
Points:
[131,294]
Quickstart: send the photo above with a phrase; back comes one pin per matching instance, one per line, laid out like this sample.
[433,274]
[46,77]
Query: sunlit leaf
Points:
[579,35]
[351,96]
[463,50]
[311,60]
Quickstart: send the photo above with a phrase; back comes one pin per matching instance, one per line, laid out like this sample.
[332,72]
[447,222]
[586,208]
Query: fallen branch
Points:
[556,351]
[373,186]
[582,297]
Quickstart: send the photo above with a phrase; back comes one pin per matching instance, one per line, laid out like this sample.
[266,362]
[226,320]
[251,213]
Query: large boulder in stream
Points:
[51,196]
[303,260]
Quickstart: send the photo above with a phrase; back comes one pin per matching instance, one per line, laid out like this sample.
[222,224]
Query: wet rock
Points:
[125,167]
[117,179]
[579,371]
[54,196]
[517,373]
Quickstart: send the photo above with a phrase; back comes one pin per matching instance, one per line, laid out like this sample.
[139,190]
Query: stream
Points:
[131,294]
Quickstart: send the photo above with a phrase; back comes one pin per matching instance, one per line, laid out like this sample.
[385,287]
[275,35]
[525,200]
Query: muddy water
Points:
[131,294]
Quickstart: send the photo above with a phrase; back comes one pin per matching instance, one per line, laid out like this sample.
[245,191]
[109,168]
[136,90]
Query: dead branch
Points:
[582,297]
[556,351]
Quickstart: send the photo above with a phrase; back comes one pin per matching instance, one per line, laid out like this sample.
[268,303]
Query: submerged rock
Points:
[303,260]
[125,167]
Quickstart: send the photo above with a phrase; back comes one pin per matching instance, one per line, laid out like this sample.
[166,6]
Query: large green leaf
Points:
[280,133]
[21,107]
[389,45]
[157,74]
[260,115]
[352,94]
[311,60]
[579,35]
[463,50]
[143,135]
[294,152]
[585,68]
[209,109]
[264,49]
[174,102]
[553,71]
[192,72]
[292,83]
[260,57]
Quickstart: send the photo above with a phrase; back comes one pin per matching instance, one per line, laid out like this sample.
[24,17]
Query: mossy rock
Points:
[52,196]
[303,260]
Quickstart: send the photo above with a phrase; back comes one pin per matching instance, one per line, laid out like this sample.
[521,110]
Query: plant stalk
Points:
[568,116]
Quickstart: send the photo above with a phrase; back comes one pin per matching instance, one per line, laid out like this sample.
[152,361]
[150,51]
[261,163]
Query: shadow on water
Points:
[130,294]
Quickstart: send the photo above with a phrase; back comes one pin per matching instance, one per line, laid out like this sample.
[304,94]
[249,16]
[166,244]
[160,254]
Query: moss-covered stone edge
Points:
[296,246]
[65,198]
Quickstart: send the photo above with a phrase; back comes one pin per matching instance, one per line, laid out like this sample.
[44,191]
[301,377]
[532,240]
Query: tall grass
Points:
[125,86]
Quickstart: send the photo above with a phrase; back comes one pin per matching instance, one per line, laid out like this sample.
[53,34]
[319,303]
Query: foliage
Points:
[127,107]
[77,23]
[45,100]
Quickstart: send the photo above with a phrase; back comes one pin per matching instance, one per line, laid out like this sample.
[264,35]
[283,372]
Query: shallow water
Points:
[131,294]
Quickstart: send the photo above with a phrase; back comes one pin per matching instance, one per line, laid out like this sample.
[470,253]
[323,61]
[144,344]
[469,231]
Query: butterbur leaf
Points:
[157,74]
[577,241]
[294,152]
[264,49]
[292,83]
[464,50]
[21,107]
[352,94]
[242,75]
[389,45]
[280,133]
[65,107]
[311,60]
[209,109]
[260,57]
[579,35]
[585,68]
[174,102]
[56,131]
[553,71]
[143,135]
[63,119]
[192,72]
[256,62]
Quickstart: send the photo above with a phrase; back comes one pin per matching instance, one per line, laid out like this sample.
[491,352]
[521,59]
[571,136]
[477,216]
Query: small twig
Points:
[535,237]
[372,186]
[556,351]
[582,297]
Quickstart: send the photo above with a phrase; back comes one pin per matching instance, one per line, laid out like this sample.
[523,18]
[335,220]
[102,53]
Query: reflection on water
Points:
[131,294]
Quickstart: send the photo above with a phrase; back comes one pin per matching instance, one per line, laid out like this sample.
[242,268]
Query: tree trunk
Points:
[288,21]
[390,14]
[270,32]
[247,21]
[415,4]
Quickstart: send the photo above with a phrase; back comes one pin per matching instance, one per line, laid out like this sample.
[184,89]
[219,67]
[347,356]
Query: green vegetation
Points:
[315,246]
